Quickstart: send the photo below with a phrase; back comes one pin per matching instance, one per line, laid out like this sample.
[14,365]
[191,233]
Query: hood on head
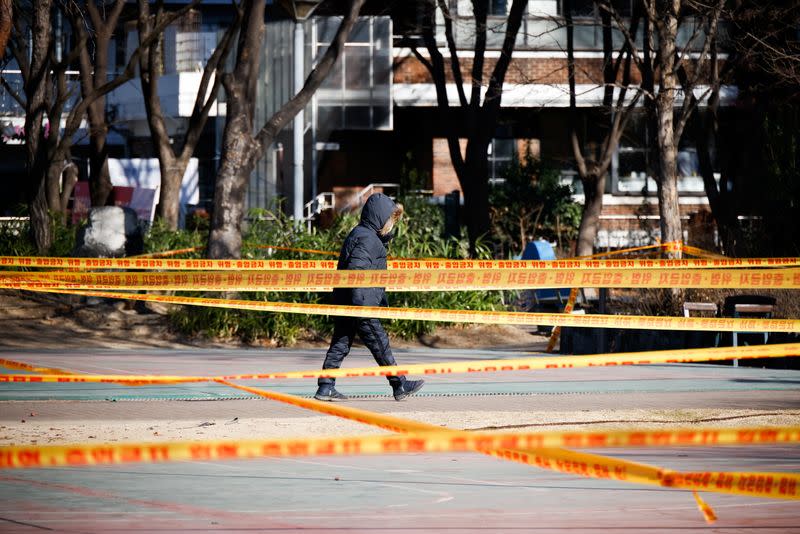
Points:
[380,213]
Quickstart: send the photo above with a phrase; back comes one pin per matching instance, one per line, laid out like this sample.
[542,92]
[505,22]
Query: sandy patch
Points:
[53,432]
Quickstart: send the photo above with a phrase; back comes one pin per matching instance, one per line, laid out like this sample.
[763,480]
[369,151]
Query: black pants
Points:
[371,333]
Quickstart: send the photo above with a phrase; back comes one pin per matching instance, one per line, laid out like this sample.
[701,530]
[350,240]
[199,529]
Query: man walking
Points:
[365,248]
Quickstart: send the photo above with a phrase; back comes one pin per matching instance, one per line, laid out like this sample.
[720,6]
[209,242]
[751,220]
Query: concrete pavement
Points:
[408,493]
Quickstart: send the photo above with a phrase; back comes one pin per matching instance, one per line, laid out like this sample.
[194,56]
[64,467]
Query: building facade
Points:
[376,120]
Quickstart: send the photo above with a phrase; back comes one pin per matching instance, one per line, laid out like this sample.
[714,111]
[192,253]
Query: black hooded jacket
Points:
[366,247]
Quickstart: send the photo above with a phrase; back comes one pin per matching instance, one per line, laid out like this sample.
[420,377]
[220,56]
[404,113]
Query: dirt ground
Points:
[42,321]
[43,429]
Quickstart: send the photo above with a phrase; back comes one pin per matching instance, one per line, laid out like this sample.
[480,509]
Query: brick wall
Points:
[444,175]
[409,69]
[521,70]
[696,220]
[651,209]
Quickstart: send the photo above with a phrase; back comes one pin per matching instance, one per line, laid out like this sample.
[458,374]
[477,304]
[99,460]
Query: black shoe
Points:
[409,387]
[329,393]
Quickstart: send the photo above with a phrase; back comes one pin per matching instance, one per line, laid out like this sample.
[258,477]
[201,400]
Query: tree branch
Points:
[479,11]
[621,26]
[202,105]
[422,59]
[577,151]
[76,114]
[14,94]
[455,64]
[436,69]
[315,78]
[494,91]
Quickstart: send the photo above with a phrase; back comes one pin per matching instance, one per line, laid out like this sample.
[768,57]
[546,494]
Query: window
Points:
[586,8]
[578,8]
[357,93]
[501,153]
[632,160]
[498,7]
[633,163]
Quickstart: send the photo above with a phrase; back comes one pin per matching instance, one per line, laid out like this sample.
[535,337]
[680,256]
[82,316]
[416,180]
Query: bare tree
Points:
[593,165]
[764,41]
[174,154]
[46,94]
[764,60]
[241,147]
[481,109]
[661,59]
[35,65]
[96,31]
[704,129]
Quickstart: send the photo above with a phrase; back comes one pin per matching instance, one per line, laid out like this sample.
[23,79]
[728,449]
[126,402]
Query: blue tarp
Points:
[543,250]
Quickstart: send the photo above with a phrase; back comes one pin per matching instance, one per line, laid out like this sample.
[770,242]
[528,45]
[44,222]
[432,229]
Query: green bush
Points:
[162,239]
[15,239]
[532,204]
[419,234]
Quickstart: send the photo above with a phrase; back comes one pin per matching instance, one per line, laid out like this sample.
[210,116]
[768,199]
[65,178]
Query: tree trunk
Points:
[475,183]
[668,202]
[668,205]
[35,151]
[69,177]
[172,163]
[594,186]
[669,208]
[41,229]
[57,180]
[225,239]
[238,145]
[172,171]
[241,149]
[6,15]
[53,184]
[238,160]
[99,179]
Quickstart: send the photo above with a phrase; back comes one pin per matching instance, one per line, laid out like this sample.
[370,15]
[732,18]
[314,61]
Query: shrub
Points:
[420,234]
[532,204]
[15,239]
[161,239]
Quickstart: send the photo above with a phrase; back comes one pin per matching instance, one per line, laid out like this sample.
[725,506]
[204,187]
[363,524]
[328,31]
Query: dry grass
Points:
[655,302]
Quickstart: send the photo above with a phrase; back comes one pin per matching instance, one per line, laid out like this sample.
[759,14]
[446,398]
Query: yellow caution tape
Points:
[720,324]
[152,263]
[543,362]
[130,380]
[705,509]
[408,280]
[27,456]
[22,366]
[758,484]
[568,307]
[695,251]
[774,485]
[536,363]
[166,264]
[658,246]
[165,253]
[293,249]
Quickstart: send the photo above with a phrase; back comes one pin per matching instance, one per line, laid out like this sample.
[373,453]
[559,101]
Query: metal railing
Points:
[323,201]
